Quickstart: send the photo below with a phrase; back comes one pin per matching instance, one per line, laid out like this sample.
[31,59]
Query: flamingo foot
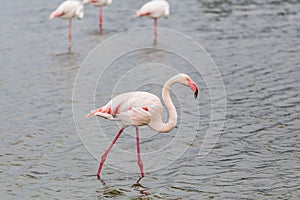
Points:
[138,181]
[137,187]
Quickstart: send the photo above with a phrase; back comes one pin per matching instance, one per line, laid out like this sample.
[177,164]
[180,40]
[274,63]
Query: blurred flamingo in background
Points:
[67,10]
[142,108]
[99,3]
[154,9]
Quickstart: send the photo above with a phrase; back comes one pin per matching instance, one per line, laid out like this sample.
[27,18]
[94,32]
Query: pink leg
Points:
[155,30]
[103,158]
[100,19]
[139,151]
[70,33]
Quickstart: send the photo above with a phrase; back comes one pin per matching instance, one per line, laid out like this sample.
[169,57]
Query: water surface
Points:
[256,47]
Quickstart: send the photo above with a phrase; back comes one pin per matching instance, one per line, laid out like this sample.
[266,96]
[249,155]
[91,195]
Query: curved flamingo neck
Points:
[157,124]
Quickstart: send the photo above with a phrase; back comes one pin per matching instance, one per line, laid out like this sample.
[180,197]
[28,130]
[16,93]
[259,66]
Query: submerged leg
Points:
[139,152]
[103,157]
[70,34]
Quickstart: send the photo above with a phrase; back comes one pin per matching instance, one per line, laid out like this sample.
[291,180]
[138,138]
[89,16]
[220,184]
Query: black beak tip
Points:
[196,94]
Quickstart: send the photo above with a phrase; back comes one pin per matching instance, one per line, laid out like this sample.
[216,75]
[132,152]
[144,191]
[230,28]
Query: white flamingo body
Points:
[131,109]
[67,10]
[154,9]
[142,108]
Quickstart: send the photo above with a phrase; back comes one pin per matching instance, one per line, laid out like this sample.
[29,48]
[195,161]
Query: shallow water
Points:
[256,48]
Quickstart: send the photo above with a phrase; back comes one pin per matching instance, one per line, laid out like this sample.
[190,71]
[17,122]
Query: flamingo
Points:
[142,108]
[154,9]
[67,10]
[99,3]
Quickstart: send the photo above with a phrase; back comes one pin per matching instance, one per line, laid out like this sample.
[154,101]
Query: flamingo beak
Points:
[196,94]
[194,87]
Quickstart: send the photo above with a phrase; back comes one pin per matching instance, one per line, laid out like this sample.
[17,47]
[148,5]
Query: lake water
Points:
[256,47]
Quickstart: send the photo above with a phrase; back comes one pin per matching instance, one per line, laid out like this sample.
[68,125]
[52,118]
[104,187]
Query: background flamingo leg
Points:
[100,18]
[155,30]
[140,163]
[103,157]
[70,33]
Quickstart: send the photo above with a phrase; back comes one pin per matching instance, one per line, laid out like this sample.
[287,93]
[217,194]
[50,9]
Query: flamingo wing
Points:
[134,117]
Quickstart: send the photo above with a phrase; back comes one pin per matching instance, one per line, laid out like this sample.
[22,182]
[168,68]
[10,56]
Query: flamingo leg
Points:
[155,29]
[140,163]
[100,18]
[103,157]
[70,33]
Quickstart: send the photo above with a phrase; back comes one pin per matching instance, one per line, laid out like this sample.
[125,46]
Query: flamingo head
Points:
[187,81]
